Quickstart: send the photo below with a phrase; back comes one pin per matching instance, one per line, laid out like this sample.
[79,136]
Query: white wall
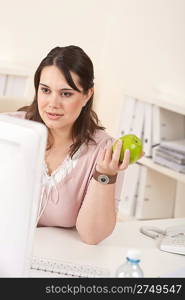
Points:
[136,45]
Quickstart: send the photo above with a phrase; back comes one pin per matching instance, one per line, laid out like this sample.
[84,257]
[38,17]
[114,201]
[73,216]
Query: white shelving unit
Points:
[161,177]
[179,178]
[15,83]
[162,101]
[148,162]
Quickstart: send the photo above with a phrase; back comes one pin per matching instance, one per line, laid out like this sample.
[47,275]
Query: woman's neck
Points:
[60,139]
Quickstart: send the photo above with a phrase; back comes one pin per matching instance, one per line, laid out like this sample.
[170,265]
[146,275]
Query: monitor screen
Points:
[22,148]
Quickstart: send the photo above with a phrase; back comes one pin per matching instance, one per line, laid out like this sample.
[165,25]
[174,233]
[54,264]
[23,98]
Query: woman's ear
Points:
[88,95]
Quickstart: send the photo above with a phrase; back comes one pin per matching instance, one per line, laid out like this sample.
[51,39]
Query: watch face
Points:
[103,179]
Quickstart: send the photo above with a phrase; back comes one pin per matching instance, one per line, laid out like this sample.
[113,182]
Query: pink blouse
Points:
[64,190]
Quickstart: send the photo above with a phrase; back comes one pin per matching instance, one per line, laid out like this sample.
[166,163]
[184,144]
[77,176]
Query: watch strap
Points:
[104,178]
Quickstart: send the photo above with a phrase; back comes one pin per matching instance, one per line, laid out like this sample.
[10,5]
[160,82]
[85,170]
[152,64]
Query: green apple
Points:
[133,143]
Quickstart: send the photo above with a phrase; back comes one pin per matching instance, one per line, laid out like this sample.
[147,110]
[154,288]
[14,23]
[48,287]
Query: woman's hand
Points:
[108,161]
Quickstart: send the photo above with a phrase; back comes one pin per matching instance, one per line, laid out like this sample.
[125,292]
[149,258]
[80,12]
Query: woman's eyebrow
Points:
[45,85]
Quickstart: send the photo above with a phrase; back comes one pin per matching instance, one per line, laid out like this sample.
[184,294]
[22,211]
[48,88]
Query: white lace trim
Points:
[62,171]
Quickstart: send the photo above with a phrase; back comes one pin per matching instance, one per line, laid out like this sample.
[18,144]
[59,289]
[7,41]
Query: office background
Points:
[135,45]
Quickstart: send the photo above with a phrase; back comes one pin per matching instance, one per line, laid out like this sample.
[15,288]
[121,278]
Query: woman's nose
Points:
[54,100]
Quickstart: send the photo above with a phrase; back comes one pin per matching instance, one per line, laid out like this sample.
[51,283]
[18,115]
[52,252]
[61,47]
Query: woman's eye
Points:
[45,90]
[66,94]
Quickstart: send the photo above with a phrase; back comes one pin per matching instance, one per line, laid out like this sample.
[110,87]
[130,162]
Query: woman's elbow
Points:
[91,239]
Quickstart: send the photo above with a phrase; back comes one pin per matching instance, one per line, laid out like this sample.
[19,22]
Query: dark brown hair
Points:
[66,59]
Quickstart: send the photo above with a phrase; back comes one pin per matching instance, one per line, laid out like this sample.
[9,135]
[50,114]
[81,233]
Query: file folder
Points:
[129,191]
[16,86]
[132,122]
[2,84]
[147,135]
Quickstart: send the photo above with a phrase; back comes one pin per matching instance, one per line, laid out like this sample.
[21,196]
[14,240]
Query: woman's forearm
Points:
[97,216]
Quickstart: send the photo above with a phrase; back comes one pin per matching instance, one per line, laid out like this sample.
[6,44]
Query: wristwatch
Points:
[104,178]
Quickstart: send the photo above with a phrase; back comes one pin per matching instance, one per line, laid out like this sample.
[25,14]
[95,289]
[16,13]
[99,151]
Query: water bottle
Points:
[130,268]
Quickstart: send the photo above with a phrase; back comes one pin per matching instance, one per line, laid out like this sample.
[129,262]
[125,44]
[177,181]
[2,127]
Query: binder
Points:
[126,116]
[138,119]
[2,84]
[155,126]
[132,121]
[156,195]
[118,189]
[129,191]
[15,86]
[147,134]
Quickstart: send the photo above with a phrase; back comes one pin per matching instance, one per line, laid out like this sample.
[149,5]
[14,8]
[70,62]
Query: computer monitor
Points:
[22,148]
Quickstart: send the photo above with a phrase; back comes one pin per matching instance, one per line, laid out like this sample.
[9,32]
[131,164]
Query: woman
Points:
[79,178]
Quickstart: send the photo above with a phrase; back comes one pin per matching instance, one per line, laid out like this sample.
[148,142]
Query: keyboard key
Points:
[68,269]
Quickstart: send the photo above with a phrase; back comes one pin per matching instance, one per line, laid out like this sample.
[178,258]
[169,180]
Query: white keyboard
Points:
[67,269]
[173,244]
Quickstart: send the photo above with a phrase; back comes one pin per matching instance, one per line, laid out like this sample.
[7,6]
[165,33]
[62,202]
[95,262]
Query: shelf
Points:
[12,98]
[157,190]
[7,68]
[8,104]
[178,108]
[148,162]
[164,101]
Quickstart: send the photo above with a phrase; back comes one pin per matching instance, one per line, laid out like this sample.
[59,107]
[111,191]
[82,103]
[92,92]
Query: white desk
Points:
[66,245]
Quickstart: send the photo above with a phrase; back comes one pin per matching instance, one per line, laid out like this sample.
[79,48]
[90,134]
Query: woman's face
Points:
[59,104]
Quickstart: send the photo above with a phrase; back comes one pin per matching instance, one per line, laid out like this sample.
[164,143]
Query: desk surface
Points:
[65,245]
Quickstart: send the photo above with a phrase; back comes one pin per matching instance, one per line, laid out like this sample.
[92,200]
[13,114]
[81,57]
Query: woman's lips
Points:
[53,116]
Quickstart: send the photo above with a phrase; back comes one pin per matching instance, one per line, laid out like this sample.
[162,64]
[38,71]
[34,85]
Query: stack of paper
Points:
[171,154]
